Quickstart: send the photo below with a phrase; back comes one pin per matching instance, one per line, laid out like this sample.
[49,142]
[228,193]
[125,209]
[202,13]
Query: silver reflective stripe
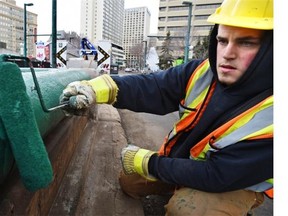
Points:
[201,84]
[263,186]
[260,120]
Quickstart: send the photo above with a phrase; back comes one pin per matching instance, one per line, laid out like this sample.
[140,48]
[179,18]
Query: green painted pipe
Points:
[28,70]
[23,120]
[51,83]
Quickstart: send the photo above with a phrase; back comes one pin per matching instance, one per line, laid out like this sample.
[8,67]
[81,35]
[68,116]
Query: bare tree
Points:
[136,52]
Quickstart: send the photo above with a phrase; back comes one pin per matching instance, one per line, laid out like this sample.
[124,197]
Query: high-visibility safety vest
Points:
[253,123]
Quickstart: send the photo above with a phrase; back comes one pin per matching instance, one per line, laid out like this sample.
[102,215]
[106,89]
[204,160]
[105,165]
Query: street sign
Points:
[61,55]
[105,55]
[58,55]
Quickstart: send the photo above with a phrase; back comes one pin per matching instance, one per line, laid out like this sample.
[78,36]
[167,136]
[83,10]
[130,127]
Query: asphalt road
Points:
[148,131]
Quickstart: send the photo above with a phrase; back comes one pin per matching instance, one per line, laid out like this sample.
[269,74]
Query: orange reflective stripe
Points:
[270,193]
[191,119]
[262,136]
[161,150]
[185,124]
[166,148]
[198,148]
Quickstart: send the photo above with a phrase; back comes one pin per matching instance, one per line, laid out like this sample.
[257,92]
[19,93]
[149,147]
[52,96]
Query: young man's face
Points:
[236,49]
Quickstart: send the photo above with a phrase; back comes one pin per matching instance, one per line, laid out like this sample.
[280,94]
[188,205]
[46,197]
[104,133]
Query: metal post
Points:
[145,53]
[186,53]
[54,33]
[25,32]
[25,27]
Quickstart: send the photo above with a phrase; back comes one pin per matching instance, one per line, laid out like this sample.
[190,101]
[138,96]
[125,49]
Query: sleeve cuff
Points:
[105,88]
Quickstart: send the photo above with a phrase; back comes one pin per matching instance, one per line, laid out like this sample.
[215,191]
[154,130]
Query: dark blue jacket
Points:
[235,167]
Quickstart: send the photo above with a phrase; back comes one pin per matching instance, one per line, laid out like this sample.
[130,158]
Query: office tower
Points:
[102,20]
[173,17]
[136,30]
[12,28]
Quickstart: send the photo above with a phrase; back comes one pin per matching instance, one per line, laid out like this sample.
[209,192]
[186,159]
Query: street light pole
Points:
[186,53]
[25,27]
[145,53]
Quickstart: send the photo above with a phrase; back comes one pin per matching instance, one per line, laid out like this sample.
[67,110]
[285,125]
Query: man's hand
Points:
[135,160]
[79,95]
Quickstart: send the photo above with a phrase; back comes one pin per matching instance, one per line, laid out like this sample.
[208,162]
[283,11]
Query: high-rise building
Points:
[136,30]
[102,20]
[12,28]
[173,17]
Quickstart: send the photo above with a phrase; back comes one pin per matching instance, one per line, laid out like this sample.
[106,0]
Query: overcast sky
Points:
[68,13]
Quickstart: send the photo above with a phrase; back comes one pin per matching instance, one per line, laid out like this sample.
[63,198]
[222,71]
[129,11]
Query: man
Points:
[218,159]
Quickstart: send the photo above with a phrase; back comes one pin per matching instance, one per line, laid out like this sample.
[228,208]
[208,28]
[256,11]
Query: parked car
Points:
[128,70]
[146,70]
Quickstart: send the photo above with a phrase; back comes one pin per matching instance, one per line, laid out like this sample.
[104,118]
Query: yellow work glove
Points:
[81,94]
[135,160]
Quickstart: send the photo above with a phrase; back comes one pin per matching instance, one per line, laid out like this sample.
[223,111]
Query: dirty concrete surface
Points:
[90,185]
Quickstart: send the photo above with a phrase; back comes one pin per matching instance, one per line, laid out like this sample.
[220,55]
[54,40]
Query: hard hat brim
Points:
[244,22]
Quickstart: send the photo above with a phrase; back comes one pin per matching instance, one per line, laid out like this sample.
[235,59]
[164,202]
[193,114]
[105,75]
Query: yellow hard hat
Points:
[256,14]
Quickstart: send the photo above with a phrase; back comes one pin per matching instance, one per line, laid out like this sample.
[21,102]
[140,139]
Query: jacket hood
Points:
[259,75]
